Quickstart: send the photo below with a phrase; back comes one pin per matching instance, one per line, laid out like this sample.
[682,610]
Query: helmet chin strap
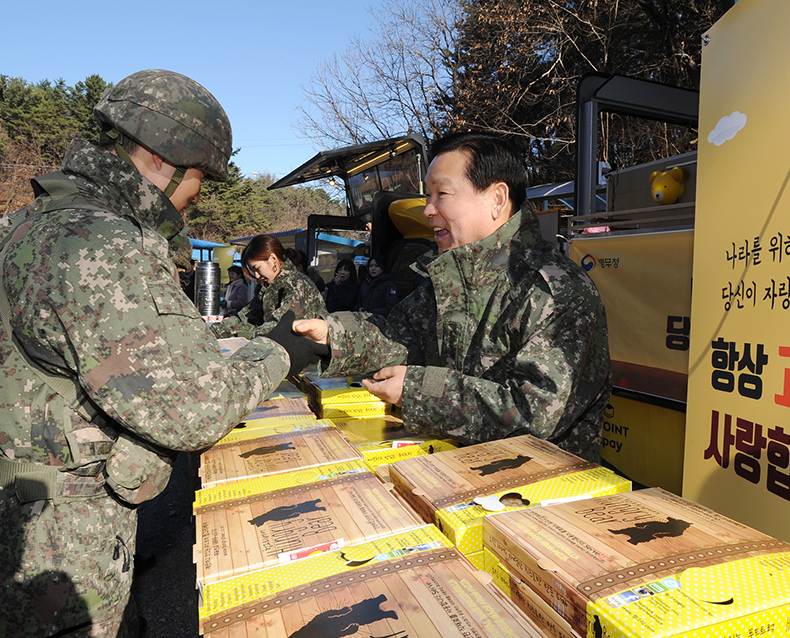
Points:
[175,181]
[115,137]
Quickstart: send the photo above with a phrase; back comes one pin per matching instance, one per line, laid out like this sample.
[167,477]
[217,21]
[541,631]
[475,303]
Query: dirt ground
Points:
[164,584]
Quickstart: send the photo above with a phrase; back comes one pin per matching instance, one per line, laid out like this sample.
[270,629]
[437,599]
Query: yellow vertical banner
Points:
[737,450]
[645,283]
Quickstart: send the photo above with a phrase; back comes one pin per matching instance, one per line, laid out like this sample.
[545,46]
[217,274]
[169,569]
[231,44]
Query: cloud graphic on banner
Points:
[727,128]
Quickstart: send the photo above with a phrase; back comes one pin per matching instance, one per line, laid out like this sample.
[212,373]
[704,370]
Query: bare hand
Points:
[387,384]
[315,329]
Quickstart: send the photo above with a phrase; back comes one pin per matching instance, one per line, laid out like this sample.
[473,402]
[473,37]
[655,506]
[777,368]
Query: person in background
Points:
[283,288]
[377,293]
[108,369]
[506,337]
[237,293]
[341,292]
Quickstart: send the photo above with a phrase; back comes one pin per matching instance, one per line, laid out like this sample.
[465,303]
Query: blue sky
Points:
[253,56]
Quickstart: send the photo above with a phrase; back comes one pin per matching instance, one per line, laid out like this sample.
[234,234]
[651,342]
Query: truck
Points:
[384,194]
[636,242]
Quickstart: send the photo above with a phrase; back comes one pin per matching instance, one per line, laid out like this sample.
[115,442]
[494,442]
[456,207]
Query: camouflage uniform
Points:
[94,295]
[290,290]
[508,337]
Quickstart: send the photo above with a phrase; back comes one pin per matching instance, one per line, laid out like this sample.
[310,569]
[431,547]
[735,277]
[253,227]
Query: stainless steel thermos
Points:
[207,288]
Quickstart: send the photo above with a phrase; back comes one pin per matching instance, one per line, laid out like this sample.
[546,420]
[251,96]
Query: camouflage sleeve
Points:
[226,328]
[182,393]
[362,343]
[560,369]
[241,325]
[142,352]
[359,345]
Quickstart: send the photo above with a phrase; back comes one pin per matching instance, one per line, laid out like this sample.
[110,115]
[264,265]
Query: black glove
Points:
[301,350]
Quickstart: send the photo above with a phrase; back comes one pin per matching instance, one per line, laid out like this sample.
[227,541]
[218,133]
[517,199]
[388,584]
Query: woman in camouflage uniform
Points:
[283,288]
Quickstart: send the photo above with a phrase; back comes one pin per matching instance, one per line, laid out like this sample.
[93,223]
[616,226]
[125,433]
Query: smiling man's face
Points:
[458,213]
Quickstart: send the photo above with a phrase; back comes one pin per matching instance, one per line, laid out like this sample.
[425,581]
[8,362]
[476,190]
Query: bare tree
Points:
[510,67]
[396,81]
[519,63]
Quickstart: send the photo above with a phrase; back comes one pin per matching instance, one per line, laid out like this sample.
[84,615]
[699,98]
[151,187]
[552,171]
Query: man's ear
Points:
[501,199]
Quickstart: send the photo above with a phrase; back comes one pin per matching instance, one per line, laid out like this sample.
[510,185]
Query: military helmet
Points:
[170,115]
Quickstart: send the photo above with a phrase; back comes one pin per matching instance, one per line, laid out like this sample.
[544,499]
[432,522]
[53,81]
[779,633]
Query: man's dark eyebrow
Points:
[441,181]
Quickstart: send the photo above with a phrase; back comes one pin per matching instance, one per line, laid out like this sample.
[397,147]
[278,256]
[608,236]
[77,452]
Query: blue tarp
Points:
[201,249]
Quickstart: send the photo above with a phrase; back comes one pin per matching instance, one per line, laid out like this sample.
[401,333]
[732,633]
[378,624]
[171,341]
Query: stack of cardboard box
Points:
[456,489]
[645,563]
[430,594]
[342,398]
[294,532]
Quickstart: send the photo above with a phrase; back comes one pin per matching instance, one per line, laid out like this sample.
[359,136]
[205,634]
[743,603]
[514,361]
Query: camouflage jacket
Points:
[290,290]
[506,337]
[94,295]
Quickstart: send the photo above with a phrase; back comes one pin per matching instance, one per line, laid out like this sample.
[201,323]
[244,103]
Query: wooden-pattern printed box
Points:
[259,428]
[247,588]
[485,561]
[287,390]
[434,482]
[286,407]
[235,537]
[262,484]
[274,454]
[463,523]
[647,563]
[434,594]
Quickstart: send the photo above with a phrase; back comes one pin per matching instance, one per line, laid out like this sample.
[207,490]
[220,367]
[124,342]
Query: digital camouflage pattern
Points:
[290,290]
[507,337]
[94,294]
[172,116]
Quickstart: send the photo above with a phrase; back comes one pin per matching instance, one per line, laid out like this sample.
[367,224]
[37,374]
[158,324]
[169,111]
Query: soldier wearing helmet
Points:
[108,368]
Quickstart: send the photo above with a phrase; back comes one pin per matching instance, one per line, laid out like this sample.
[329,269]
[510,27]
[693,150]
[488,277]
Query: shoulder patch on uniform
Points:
[433,381]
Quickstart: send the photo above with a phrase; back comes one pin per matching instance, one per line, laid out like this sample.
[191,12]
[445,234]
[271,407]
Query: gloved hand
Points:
[301,350]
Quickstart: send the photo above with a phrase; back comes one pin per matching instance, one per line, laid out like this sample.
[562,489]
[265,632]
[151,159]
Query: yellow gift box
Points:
[280,408]
[337,390]
[439,481]
[344,411]
[263,484]
[274,455]
[258,428]
[647,563]
[431,594]
[264,530]
[226,594]
[463,523]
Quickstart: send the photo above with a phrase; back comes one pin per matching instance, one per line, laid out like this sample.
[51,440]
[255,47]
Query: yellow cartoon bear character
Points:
[668,186]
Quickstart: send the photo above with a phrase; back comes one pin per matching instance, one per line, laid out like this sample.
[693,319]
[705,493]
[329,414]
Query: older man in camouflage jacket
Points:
[108,368]
[506,337]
